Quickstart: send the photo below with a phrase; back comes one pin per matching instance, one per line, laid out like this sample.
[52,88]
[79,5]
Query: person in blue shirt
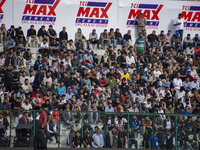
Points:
[109,108]
[88,81]
[98,138]
[69,95]
[37,63]
[135,125]
[153,141]
[62,89]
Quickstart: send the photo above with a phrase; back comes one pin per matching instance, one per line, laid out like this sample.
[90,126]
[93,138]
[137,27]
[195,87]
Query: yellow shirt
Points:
[126,76]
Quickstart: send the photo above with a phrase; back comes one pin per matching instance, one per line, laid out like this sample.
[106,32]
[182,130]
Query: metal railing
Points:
[100,119]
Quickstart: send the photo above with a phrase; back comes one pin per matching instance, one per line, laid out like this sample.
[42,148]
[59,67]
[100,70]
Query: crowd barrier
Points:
[125,120]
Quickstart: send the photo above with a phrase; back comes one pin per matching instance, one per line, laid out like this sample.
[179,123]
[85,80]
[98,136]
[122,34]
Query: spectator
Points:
[42,34]
[3,33]
[93,37]
[153,141]
[98,139]
[63,35]
[152,38]
[52,129]
[187,41]
[196,40]
[31,36]
[77,141]
[3,120]
[140,44]
[51,33]
[179,24]
[146,123]
[104,37]
[161,38]
[44,48]
[141,21]
[119,38]
[128,38]
[8,43]
[70,137]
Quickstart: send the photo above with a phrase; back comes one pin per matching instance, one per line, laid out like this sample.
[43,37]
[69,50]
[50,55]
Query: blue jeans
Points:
[156,44]
[180,145]
[89,65]
[131,142]
[181,34]
[140,128]
[69,123]
[123,42]
[93,116]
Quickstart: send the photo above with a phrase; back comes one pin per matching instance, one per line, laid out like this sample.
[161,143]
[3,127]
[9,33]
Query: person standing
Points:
[140,45]
[179,25]
[141,21]
[40,142]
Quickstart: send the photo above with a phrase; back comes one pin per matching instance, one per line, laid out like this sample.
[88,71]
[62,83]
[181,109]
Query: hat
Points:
[141,64]
[89,51]
[195,78]
[177,33]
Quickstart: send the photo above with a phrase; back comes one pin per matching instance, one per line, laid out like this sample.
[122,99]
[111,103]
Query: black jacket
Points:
[40,142]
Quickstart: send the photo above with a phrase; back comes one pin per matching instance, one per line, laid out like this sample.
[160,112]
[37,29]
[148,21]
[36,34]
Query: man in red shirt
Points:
[103,81]
[43,119]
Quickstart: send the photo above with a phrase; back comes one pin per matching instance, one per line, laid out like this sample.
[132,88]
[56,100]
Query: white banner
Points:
[160,15]
[99,14]
[6,12]
[73,14]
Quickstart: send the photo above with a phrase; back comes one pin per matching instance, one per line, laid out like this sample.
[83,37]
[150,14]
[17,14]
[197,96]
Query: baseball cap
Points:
[195,78]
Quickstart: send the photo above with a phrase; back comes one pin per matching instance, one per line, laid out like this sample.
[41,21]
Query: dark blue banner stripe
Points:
[148,6]
[96,4]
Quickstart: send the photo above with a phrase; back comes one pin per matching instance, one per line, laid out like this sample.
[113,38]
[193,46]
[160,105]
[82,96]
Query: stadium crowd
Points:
[157,73]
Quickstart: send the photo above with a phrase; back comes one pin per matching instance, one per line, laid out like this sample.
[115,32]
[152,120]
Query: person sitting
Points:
[31,37]
[24,119]
[44,48]
[52,130]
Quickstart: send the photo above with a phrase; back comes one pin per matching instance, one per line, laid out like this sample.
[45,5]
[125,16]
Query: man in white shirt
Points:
[130,59]
[27,88]
[179,25]
[157,73]
[26,105]
[177,82]
[44,47]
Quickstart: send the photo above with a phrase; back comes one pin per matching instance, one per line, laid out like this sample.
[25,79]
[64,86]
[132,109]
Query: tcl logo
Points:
[41,9]
[93,12]
[150,11]
[191,13]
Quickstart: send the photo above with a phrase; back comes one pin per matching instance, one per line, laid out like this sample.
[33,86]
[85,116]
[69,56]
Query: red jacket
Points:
[103,82]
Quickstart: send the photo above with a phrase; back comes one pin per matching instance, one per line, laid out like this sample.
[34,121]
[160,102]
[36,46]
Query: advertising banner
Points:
[6,12]
[160,15]
[99,14]
[75,14]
